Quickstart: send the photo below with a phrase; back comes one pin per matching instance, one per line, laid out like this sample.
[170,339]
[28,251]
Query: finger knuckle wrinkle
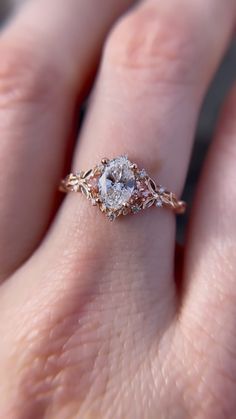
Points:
[25,76]
[157,44]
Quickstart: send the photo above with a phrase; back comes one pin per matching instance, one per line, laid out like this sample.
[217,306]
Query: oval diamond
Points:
[117,183]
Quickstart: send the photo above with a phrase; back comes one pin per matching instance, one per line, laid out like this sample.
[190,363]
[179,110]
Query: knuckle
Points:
[156,43]
[25,75]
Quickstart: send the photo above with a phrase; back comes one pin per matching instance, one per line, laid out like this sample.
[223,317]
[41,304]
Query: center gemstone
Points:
[117,183]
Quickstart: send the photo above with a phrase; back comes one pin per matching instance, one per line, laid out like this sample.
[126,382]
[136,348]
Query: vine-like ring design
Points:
[119,187]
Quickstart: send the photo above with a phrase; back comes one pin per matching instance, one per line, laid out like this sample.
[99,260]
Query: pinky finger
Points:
[210,265]
[209,311]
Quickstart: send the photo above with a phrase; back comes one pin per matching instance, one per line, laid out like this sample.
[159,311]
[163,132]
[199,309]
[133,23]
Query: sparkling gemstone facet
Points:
[117,183]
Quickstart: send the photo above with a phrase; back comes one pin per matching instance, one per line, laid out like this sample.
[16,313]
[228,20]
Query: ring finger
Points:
[154,74]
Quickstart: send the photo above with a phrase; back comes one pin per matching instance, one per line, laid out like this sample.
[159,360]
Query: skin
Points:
[96,319]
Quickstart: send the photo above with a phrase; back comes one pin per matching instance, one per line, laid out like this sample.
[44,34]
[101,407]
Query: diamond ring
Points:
[119,187]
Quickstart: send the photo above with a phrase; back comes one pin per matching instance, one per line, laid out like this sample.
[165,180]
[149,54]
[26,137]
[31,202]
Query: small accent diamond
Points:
[162,189]
[135,210]
[143,174]
[159,203]
[111,217]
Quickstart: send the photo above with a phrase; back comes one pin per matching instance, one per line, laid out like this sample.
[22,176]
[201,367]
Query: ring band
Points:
[119,187]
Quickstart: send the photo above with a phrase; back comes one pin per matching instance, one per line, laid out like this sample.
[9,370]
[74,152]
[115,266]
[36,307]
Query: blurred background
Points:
[220,86]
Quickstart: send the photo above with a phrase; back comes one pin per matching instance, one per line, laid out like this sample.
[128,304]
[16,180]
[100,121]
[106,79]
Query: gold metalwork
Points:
[146,194]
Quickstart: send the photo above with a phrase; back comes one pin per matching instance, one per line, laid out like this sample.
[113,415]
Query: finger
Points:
[210,264]
[165,66]
[112,284]
[47,56]
[154,74]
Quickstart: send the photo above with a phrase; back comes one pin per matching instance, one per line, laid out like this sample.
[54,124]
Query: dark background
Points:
[220,86]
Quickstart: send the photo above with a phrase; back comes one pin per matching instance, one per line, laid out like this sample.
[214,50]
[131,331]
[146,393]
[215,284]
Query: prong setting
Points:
[105,161]
[118,187]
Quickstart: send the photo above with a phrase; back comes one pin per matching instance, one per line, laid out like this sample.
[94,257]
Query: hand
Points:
[96,321]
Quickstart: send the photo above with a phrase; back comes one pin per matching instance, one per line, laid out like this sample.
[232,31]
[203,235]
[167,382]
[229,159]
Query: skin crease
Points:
[93,323]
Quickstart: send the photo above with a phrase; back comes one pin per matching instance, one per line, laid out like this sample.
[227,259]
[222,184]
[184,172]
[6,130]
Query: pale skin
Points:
[96,319]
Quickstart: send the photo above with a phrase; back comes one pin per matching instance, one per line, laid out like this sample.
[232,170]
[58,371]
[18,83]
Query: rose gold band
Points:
[118,187]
